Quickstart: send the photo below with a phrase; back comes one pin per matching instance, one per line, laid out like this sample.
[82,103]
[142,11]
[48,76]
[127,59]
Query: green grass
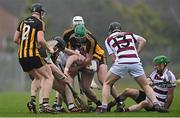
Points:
[14,105]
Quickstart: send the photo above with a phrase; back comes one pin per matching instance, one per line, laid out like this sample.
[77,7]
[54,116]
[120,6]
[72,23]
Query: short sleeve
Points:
[41,26]
[109,50]
[19,26]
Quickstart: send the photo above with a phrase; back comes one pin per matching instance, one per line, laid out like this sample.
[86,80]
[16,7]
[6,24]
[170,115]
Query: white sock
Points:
[70,106]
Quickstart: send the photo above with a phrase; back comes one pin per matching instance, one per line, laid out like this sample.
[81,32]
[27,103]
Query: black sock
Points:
[45,100]
[40,106]
[33,98]
[126,110]
[111,104]
[98,103]
[118,100]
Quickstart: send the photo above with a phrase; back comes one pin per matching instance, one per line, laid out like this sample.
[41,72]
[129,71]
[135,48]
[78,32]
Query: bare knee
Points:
[129,92]
[126,91]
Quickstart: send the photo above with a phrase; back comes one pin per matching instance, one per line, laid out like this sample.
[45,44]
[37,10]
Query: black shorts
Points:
[101,60]
[141,97]
[30,63]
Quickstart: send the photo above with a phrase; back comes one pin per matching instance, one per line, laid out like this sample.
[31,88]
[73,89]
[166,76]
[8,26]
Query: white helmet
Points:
[77,20]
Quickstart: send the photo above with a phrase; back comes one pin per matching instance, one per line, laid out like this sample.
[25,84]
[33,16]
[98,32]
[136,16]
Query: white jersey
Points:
[122,44]
[62,58]
[161,92]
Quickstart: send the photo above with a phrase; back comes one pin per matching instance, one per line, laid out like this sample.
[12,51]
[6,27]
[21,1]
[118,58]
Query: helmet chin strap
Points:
[40,15]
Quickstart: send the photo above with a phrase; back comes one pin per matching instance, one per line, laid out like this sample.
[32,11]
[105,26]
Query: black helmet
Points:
[61,44]
[114,26]
[37,7]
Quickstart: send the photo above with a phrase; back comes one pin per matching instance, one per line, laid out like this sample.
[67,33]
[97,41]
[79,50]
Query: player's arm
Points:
[16,38]
[40,37]
[110,51]
[141,43]
[70,61]
[170,97]
[113,57]
[56,71]
[89,55]
[70,52]
[42,41]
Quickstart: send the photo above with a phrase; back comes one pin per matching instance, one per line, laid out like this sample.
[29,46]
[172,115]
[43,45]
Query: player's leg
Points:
[59,86]
[86,79]
[35,87]
[109,81]
[138,107]
[46,87]
[102,70]
[141,80]
[129,92]
[138,72]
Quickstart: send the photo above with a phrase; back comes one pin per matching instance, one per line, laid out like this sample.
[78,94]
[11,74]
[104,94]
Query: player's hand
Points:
[66,72]
[51,50]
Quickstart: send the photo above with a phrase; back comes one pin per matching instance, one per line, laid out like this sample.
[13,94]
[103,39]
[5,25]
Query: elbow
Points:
[143,41]
[41,42]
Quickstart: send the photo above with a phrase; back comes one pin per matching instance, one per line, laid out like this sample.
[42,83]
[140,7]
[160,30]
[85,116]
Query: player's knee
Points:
[127,91]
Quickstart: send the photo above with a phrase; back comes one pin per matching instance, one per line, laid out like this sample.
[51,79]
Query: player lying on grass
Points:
[163,83]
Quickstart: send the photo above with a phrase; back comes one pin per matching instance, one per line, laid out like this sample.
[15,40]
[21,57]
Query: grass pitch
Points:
[14,105]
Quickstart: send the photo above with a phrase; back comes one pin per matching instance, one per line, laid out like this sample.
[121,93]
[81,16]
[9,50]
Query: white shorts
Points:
[121,70]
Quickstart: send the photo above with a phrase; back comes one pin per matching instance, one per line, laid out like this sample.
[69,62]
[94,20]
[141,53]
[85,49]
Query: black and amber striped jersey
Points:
[28,28]
[95,48]
[66,37]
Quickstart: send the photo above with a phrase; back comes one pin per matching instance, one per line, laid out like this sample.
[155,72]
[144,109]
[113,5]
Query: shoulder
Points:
[152,75]
[109,38]
[170,75]
[90,37]
[68,31]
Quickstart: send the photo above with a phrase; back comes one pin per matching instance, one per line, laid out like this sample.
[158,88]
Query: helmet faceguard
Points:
[114,26]
[77,20]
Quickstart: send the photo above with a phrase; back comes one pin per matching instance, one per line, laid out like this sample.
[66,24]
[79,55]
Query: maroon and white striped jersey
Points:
[161,92]
[122,44]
